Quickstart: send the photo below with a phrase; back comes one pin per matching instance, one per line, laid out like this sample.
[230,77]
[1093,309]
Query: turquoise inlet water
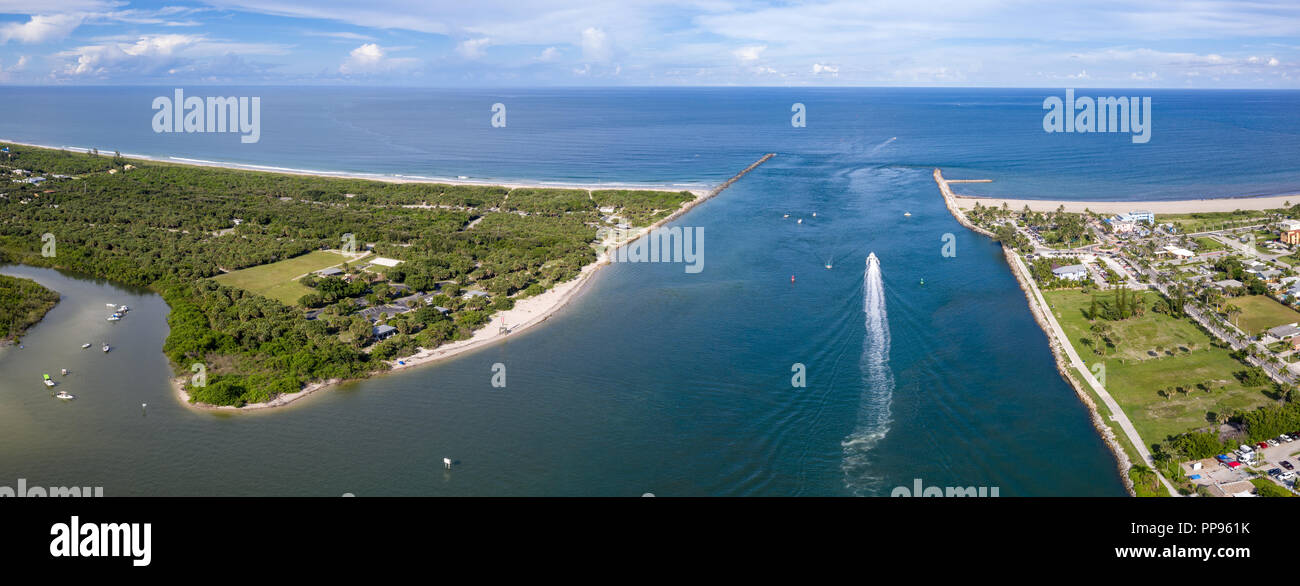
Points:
[654,379]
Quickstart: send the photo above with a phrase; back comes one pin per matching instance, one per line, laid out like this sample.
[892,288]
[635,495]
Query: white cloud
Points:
[371,58]
[345,35]
[41,28]
[1273,62]
[473,48]
[750,53]
[832,70]
[549,54]
[155,54]
[595,45]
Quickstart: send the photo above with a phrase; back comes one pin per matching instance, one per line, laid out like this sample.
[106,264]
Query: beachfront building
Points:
[1290,232]
[383,332]
[1071,272]
[1140,216]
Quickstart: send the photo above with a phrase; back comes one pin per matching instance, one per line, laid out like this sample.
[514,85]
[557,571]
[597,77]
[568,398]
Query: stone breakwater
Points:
[1058,352]
[950,200]
[1067,373]
[716,190]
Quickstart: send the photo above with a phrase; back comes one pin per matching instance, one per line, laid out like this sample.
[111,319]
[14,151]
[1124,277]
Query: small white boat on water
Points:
[114,317]
[86,345]
[786,216]
[106,346]
[48,382]
[65,372]
[66,396]
[123,309]
[799,221]
[110,304]
[907,213]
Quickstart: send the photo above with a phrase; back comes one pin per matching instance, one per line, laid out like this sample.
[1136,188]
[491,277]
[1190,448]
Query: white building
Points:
[1071,272]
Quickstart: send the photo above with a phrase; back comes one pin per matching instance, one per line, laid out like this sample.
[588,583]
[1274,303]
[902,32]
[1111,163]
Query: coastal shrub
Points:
[1271,421]
[23,302]
[1198,445]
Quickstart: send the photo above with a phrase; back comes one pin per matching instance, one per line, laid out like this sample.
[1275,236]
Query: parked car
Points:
[1261,445]
[1274,442]
[1286,476]
[1275,472]
[1286,438]
[1287,465]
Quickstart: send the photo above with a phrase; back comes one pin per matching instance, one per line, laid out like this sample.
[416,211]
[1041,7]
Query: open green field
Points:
[1207,221]
[278,280]
[1259,312]
[1148,357]
[1208,244]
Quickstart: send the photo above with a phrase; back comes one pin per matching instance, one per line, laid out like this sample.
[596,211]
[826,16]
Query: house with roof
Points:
[330,272]
[383,332]
[1071,272]
[1290,230]
[1284,332]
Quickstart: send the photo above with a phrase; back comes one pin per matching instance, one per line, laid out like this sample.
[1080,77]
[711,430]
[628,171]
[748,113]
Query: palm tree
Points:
[1143,475]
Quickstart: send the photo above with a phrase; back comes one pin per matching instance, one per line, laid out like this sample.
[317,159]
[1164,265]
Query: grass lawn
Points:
[1207,244]
[1259,312]
[278,279]
[1136,368]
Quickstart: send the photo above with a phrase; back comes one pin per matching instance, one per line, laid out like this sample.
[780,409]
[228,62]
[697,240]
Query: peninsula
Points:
[283,283]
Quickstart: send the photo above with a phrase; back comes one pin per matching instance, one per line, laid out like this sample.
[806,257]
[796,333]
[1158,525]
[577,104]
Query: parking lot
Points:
[1225,480]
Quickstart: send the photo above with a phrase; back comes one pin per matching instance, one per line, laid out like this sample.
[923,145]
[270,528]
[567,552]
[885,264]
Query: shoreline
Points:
[525,314]
[694,188]
[1063,364]
[1166,207]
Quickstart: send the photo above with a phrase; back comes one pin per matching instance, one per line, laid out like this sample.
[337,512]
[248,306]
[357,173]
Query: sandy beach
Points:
[695,188]
[1180,206]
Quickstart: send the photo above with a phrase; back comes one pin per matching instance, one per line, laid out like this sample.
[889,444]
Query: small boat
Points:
[86,345]
[907,213]
[814,214]
[66,396]
[64,372]
[123,309]
[786,216]
[48,382]
[923,281]
[110,304]
[114,317]
[828,266]
[791,278]
[799,221]
[106,346]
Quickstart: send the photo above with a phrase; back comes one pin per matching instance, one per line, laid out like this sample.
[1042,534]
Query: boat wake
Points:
[878,383]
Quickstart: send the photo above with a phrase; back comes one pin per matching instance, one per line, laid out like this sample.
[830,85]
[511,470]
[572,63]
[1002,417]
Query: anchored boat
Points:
[48,381]
[66,396]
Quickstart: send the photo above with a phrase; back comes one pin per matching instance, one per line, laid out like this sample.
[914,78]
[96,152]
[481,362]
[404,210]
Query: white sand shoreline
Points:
[698,189]
[1177,206]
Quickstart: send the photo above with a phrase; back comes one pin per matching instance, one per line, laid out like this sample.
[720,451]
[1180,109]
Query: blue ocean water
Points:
[657,380]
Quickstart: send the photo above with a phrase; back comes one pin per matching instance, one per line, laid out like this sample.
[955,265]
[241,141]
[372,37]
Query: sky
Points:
[526,43]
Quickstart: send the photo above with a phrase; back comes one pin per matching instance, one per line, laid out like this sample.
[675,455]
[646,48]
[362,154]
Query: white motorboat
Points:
[66,396]
[48,382]
[114,317]
[86,345]
[106,346]
[110,304]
